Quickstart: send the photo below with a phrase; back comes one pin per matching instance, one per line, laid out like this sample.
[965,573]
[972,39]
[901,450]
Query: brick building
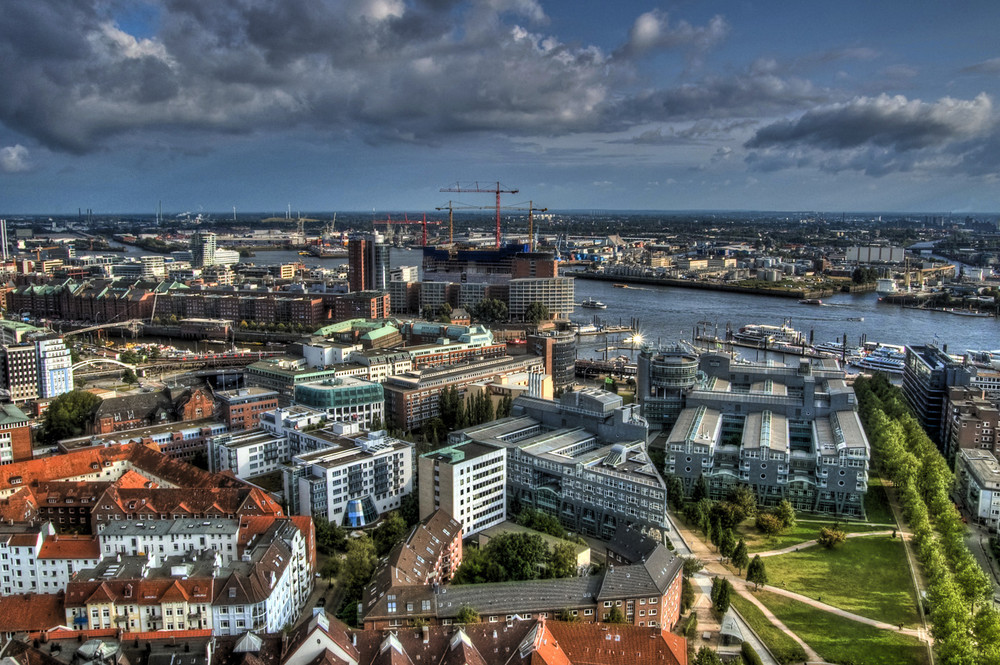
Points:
[241,408]
[136,410]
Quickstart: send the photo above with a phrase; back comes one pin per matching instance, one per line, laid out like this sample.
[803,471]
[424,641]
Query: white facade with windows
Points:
[467,481]
[170,537]
[247,454]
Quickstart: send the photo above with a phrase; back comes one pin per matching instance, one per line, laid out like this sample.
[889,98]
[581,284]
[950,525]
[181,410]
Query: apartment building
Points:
[971,421]
[977,483]
[556,293]
[15,435]
[247,453]
[34,559]
[350,478]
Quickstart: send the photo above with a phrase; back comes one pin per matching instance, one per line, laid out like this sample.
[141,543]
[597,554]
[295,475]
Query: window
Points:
[392,606]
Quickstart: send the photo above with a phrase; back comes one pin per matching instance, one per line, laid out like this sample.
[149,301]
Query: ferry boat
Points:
[593,303]
[759,334]
[880,364]
[810,301]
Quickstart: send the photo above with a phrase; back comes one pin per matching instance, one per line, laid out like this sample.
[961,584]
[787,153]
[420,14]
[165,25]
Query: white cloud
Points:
[14,159]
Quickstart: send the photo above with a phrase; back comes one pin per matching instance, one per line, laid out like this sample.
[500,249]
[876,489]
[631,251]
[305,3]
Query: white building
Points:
[33,559]
[171,537]
[324,354]
[249,453]
[55,368]
[351,479]
[468,481]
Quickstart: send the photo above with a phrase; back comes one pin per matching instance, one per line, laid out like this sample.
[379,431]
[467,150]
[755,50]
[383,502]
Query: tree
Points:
[716,536]
[691,565]
[700,489]
[409,508]
[562,560]
[830,537]
[518,555]
[687,594]
[330,567]
[615,615]
[768,524]
[68,416]
[569,616]
[467,615]
[489,310]
[750,656]
[675,491]
[536,312]
[743,496]
[723,596]
[129,377]
[756,573]
[707,656]
[391,531]
[360,563]
[785,514]
[727,543]
[740,558]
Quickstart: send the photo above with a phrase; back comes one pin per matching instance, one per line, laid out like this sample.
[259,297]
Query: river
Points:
[667,314]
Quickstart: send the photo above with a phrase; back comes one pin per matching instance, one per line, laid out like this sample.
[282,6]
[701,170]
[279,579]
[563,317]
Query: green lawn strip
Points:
[800,533]
[784,648]
[840,640]
[866,576]
[877,502]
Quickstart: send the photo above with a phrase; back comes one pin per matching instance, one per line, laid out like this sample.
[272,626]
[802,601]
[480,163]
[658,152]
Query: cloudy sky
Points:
[580,104]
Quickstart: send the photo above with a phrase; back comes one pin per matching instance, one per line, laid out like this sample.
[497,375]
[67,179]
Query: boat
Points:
[810,301]
[759,334]
[621,286]
[879,364]
[324,252]
[593,303]
[855,318]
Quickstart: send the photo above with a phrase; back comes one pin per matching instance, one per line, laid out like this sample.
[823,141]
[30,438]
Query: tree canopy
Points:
[68,415]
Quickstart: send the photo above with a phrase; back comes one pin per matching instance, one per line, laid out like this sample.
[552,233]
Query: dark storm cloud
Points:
[885,121]
[882,135]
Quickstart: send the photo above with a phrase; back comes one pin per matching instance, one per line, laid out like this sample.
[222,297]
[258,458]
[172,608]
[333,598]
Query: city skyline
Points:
[378,104]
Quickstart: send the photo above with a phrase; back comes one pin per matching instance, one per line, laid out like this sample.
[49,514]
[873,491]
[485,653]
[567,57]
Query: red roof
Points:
[132,480]
[24,540]
[31,612]
[70,547]
[603,644]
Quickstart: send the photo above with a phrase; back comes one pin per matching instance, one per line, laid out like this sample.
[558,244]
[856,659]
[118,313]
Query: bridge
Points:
[99,361]
[133,325]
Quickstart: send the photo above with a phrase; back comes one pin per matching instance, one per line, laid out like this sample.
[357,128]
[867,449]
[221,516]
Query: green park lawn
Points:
[840,640]
[804,529]
[867,576]
[784,648]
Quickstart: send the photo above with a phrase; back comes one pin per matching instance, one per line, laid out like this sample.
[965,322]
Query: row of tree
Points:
[458,412]
[966,627]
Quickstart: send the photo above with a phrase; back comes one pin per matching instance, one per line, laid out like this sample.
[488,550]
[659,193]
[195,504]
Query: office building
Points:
[202,249]
[558,351]
[663,378]
[928,372]
[20,371]
[582,459]
[368,263]
[241,409]
[411,399]
[346,398]
[786,432]
[556,293]
[467,480]
[247,453]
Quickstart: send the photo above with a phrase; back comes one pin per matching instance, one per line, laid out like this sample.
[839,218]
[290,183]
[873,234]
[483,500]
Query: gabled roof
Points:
[391,652]
[461,651]
[602,644]
[332,627]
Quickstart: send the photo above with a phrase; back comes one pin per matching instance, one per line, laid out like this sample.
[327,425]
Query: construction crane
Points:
[451,220]
[406,220]
[531,221]
[475,188]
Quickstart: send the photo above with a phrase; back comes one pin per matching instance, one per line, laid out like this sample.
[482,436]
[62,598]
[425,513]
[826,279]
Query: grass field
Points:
[866,576]
[784,648]
[803,530]
[839,640]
